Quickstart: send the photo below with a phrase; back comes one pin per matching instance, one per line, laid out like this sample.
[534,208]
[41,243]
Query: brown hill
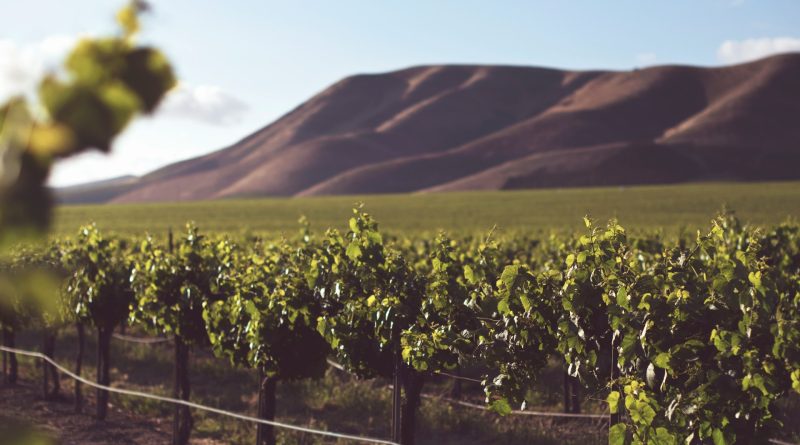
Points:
[444,128]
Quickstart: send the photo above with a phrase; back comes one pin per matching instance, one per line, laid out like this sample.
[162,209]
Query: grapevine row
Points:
[693,340]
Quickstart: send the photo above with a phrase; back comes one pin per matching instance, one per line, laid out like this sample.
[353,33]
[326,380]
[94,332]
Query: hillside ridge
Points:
[464,127]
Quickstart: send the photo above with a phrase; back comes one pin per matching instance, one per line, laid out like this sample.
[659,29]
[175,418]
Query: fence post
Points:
[397,399]
[575,392]
[413,388]
[456,390]
[103,370]
[267,386]
[182,421]
[45,383]
[615,417]
[10,341]
[49,371]
[78,365]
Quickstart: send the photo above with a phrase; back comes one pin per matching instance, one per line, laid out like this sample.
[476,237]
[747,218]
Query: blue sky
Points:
[244,63]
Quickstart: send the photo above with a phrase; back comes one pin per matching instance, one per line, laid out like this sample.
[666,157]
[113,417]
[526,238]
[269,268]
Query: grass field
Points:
[668,207]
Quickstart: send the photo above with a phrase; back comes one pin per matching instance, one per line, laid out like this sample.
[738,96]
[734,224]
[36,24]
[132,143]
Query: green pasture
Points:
[668,207]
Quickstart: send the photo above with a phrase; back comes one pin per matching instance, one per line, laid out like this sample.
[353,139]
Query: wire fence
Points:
[333,364]
[459,377]
[145,395]
[339,367]
[141,340]
[604,416]
[520,412]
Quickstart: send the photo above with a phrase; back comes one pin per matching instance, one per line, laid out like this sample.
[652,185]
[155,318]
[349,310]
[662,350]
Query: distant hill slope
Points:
[445,128]
[98,191]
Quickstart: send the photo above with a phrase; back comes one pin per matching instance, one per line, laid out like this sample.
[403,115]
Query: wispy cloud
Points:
[22,65]
[204,103]
[736,51]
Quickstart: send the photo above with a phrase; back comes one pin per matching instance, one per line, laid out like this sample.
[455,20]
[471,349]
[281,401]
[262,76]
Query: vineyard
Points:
[688,340]
[671,208]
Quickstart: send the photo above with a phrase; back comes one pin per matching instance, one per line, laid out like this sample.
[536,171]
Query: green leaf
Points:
[526,302]
[570,260]
[613,401]
[757,381]
[251,308]
[122,103]
[501,406]
[640,409]
[469,274]
[353,251]
[663,437]
[755,278]
[647,413]
[322,326]
[502,307]
[718,437]
[662,361]
[128,19]
[622,297]
[375,237]
[617,434]
[509,276]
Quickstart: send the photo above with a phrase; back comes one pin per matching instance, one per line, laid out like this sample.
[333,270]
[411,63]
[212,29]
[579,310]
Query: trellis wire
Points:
[141,340]
[335,365]
[285,425]
[195,405]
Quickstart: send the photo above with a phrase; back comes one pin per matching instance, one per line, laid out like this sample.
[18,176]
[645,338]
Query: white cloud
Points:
[22,65]
[204,103]
[736,51]
[646,58]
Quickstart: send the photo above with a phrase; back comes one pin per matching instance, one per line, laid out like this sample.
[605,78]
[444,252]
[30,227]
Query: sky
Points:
[244,63]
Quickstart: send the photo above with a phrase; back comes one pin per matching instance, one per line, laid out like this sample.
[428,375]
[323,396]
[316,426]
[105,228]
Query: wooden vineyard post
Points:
[78,365]
[182,416]
[182,421]
[10,342]
[103,371]
[397,399]
[267,387]
[575,387]
[615,417]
